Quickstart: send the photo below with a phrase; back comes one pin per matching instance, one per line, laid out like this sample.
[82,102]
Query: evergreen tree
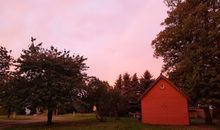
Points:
[5,63]
[119,100]
[145,82]
[135,85]
[126,85]
[119,83]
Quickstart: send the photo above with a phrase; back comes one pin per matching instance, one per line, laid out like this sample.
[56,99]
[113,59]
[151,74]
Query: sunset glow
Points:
[115,35]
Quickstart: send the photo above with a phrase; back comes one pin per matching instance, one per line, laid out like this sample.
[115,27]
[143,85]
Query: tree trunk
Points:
[33,111]
[9,112]
[208,117]
[49,116]
[116,113]
[217,114]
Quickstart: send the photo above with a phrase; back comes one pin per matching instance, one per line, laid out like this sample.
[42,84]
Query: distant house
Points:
[163,103]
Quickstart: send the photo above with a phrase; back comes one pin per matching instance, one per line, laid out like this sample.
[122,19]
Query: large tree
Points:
[145,81]
[98,95]
[190,47]
[135,85]
[120,100]
[126,88]
[6,89]
[53,77]
[119,83]
[5,63]
[11,95]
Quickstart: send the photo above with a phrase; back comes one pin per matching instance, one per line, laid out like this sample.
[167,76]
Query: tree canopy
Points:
[132,87]
[52,77]
[7,93]
[190,47]
[5,63]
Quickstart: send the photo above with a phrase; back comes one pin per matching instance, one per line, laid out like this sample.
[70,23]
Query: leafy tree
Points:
[11,94]
[108,100]
[190,47]
[53,77]
[97,94]
[118,103]
[5,63]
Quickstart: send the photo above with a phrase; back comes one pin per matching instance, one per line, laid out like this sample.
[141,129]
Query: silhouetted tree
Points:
[126,85]
[135,85]
[11,94]
[119,83]
[5,62]
[145,81]
[190,47]
[98,95]
[53,77]
[118,103]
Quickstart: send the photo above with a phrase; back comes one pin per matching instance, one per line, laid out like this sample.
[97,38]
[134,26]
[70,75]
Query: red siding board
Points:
[165,106]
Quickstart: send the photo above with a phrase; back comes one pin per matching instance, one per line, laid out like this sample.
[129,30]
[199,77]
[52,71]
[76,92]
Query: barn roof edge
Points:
[156,81]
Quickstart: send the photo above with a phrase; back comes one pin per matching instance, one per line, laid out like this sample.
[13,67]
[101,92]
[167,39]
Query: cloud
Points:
[115,35]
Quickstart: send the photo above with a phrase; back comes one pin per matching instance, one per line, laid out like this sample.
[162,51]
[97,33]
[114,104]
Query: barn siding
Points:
[164,106]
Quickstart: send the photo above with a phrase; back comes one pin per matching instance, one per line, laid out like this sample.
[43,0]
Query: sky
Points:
[115,35]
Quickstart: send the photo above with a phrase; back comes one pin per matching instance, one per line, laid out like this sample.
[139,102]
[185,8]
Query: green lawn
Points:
[88,122]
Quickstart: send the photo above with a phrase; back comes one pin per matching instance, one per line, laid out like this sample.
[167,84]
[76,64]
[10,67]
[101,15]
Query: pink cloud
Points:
[114,35]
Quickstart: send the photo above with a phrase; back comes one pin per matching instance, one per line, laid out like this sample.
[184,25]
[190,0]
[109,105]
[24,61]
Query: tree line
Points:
[189,45]
[55,80]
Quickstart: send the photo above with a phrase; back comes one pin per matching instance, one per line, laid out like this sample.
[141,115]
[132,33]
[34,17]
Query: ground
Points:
[87,122]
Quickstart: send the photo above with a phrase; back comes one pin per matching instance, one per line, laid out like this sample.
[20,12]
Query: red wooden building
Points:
[163,103]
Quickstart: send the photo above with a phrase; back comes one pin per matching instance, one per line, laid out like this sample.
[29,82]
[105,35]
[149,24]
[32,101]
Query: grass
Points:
[89,122]
[17,117]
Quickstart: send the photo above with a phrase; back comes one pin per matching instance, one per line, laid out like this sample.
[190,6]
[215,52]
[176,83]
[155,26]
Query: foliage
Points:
[6,87]
[121,101]
[126,88]
[5,62]
[108,100]
[145,81]
[52,77]
[11,94]
[118,83]
[190,46]
[97,95]
[132,87]
[134,91]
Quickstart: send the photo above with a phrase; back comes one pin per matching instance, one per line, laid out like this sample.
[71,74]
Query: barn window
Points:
[162,86]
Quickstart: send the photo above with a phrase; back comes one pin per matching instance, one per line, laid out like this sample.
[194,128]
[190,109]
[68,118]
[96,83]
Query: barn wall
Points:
[164,106]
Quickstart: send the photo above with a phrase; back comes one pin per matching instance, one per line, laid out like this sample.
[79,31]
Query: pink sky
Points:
[115,35]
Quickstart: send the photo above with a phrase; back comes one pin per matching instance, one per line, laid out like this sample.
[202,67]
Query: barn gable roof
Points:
[157,80]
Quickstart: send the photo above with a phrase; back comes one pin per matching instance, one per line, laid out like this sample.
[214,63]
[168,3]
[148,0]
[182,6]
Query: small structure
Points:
[163,103]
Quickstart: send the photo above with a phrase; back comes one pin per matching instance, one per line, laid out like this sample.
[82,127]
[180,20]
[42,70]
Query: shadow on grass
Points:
[110,124]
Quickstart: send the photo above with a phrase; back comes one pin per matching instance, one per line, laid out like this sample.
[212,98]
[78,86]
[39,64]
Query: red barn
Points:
[163,103]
